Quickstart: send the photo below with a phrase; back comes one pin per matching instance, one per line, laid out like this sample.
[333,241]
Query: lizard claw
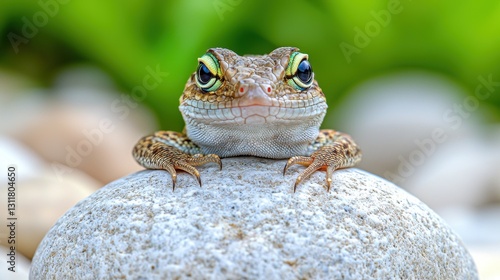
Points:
[184,166]
[312,166]
[161,156]
[170,168]
[188,163]
[325,158]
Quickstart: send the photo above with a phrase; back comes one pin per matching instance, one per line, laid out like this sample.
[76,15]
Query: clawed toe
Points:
[313,164]
[184,166]
[188,164]
[172,151]
[170,168]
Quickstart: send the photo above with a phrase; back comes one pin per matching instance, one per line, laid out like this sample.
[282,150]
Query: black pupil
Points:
[304,71]
[204,75]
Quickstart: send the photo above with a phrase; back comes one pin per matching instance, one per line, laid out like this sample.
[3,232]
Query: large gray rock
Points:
[246,222]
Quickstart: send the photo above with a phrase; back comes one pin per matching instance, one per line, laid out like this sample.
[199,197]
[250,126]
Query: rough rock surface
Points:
[245,222]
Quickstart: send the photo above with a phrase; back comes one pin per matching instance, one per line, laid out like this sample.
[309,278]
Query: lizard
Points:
[267,106]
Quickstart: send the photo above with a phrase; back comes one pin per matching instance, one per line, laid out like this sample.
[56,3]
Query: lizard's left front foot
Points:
[342,153]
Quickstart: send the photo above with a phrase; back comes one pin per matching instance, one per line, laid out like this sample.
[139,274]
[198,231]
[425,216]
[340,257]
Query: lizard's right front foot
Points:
[152,153]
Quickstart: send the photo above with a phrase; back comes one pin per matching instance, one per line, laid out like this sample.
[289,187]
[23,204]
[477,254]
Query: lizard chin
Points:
[277,131]
[233,113]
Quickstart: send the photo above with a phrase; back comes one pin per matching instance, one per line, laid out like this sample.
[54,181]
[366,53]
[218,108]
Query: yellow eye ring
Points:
[208,74]
[299,71]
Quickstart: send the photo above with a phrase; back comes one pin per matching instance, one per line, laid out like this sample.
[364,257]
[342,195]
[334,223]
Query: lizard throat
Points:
[284,129]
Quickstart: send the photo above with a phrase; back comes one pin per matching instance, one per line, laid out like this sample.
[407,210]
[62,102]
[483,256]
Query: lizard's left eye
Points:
[208,75]
[299,71]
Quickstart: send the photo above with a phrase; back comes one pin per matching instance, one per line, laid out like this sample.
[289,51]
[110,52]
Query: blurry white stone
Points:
[387,115]
[479,230]
[495,184]
[469,167]
[20,109]
[41,196]
[21,265]
[85,125]
[245,222]
[487,259]
[43,200]
[85,77]
[14,153]
[458,174]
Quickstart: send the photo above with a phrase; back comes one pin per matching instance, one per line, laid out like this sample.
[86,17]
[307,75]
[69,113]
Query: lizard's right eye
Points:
[208,74]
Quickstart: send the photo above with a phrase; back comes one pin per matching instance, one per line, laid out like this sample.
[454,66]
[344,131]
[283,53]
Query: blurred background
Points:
[416,83]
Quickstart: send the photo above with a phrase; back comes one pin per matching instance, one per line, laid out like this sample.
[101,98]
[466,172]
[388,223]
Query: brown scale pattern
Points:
[152,152]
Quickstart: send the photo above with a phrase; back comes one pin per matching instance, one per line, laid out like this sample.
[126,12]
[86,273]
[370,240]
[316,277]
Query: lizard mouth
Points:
[274,111]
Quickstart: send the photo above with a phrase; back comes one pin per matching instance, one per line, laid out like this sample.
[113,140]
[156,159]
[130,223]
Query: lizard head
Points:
[253,94]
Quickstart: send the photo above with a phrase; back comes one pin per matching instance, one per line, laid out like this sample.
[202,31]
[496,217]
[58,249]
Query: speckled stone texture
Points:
[246,223]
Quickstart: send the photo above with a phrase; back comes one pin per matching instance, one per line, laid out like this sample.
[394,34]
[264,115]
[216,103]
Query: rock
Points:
[468,166]
[487,259]
[85,139]
[43,200]
[14,153]
[83,122]
[41,196]
[20,103]
[424,133]
[479,230]
[388,115]
[246,222]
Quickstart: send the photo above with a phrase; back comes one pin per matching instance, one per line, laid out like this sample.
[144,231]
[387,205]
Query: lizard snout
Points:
[251,94]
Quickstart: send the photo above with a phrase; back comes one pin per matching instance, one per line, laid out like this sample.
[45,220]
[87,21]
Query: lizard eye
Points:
[208,74]
[299,71]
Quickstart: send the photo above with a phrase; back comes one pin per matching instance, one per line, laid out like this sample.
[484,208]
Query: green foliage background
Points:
[458,39]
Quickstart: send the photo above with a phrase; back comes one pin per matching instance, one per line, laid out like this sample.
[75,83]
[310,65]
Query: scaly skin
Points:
[266,106]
